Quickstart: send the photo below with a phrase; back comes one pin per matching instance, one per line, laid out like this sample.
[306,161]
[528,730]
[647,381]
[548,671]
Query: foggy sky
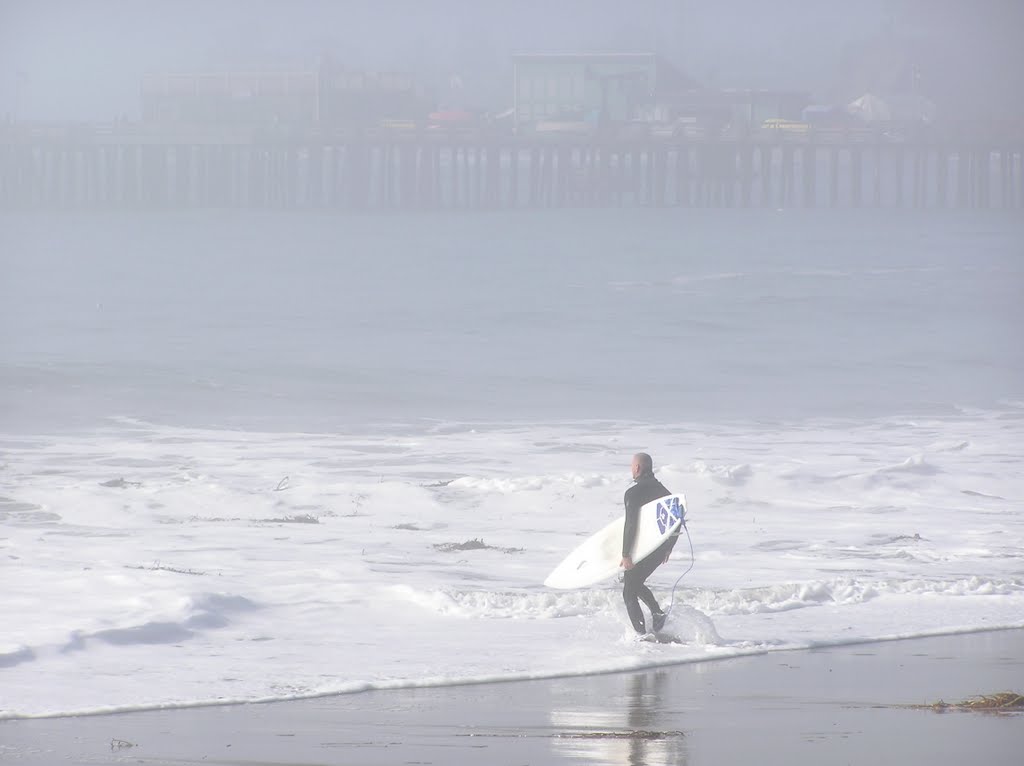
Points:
[83,59]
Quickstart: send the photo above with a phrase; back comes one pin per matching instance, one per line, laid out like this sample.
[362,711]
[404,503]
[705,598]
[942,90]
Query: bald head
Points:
[642,464]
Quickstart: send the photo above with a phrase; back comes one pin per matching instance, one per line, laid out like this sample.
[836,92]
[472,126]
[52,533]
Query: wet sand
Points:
[826,706]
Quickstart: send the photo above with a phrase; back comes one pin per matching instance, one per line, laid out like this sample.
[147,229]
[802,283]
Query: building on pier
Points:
[328,96]
[593,89]
[635,94]
[231,98]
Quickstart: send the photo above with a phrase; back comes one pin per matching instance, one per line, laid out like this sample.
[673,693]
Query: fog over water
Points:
[314,321]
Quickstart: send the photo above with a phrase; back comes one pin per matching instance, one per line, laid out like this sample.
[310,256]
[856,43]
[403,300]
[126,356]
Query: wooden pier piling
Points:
[450,171]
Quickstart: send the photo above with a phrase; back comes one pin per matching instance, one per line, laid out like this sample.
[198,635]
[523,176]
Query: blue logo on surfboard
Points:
[669,512]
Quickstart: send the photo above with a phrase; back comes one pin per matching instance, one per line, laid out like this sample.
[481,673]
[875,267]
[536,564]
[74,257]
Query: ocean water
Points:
[248,457]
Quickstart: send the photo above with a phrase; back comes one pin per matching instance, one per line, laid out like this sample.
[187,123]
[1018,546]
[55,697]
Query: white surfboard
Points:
[598,557]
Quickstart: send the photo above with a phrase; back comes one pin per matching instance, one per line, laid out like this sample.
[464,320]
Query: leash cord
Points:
[672,600]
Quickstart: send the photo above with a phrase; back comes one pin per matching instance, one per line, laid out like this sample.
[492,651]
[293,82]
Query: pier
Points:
[93,168]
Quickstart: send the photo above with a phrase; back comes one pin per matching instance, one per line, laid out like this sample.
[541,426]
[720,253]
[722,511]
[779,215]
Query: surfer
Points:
[645,489]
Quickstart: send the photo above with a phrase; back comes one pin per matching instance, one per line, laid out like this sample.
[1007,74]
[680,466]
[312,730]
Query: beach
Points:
[850,704]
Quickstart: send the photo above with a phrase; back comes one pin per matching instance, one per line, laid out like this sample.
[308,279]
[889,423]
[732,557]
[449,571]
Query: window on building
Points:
[577,88]
[524,86]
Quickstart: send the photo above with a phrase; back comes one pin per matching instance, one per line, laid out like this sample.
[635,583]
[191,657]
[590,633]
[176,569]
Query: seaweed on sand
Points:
[475,544]
[1003,702]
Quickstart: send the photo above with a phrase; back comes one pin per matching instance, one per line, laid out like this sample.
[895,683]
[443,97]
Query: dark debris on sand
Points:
[120,483]
[475,544]
[1003,702]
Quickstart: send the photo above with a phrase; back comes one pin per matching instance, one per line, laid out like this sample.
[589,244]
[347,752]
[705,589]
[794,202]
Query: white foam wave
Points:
[360,575]
[732,475]
[513,605]
[914,464]
[510,486]
[776,598]
[842,592]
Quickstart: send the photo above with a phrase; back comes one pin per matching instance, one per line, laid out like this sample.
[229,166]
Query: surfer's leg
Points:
[648,598]
[644,570]
[630,586]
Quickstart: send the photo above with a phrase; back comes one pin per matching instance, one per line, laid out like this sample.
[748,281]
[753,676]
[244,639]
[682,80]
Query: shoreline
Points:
[851,701]
[404,685]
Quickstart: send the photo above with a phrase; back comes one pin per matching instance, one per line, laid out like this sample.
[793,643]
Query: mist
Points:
[328,329]
[84,60]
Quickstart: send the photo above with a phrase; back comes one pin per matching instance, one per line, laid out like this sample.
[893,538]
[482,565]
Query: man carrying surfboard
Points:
[645,489]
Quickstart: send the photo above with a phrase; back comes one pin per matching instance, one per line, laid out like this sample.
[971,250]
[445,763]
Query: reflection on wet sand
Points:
[631,729]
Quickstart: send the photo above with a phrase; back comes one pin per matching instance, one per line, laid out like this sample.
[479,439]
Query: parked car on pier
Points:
[399,126]
[574,122]
[786,126]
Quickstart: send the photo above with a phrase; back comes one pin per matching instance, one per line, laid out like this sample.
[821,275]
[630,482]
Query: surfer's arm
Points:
[629,531]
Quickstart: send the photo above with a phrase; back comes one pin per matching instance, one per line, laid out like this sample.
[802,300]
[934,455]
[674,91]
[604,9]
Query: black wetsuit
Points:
[646,489]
